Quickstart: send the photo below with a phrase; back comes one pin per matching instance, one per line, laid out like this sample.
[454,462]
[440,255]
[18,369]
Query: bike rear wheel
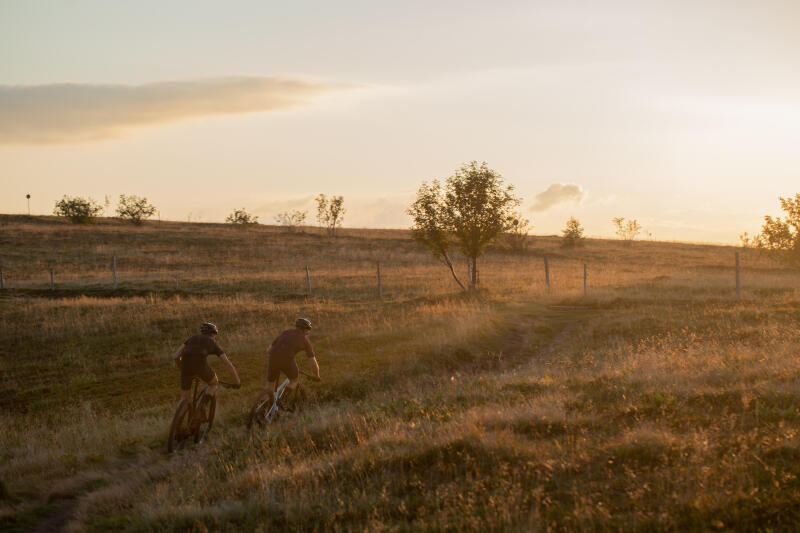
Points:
[179,431]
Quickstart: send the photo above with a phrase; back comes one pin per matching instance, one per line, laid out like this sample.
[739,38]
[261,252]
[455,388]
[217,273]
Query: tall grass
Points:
[657,401]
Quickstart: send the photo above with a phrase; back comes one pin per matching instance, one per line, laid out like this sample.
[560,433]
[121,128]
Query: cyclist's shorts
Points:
[195,367]
[280,363]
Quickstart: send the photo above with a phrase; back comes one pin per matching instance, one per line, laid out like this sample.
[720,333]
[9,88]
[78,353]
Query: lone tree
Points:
[241,218]
[473,208]
[781,236]
[330,213]
[291,219]
[78,210]
[135,209]
[627,231]
[572,235]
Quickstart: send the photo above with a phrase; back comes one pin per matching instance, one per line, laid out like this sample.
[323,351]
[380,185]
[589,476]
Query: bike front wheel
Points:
[258,413]
[179,431]
[206,419]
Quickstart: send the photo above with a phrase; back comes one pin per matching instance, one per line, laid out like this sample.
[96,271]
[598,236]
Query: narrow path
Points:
[550,348]
[63,516]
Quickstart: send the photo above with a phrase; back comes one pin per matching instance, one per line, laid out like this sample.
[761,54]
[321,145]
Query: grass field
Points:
[658,401]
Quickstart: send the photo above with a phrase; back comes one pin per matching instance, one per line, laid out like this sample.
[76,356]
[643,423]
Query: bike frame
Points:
[197,395]
[270,416]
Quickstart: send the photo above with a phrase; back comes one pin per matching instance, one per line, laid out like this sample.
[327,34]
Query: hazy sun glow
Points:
[684,115]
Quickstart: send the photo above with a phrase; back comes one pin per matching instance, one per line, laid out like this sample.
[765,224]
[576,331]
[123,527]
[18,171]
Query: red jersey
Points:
[289,343]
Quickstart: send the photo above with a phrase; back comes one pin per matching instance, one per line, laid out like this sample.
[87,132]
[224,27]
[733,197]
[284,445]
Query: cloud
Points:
[557,193]
[74,112]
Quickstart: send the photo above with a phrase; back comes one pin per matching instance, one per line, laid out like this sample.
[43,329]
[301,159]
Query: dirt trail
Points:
[140,469]
[63,516]
[548,349]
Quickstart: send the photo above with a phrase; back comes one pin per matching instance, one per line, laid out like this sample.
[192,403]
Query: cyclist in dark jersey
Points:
[281,357]
[191,359]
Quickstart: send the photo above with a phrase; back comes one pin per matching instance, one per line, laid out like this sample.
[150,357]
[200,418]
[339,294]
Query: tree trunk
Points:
[446,261]
[474,280]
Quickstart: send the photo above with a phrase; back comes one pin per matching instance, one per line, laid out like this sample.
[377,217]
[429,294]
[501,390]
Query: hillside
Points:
[657,400]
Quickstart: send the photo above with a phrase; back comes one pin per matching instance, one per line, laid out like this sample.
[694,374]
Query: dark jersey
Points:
[198,347]
[289,343]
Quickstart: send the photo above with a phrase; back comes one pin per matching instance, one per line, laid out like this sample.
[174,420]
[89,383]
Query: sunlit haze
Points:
[683,115]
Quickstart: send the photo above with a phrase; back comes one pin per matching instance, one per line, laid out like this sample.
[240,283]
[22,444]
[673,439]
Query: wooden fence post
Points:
[2,282]
[547,274]
[308,282]
[114,270]
[380,292]
[738,278]
[52,280]
[584,280]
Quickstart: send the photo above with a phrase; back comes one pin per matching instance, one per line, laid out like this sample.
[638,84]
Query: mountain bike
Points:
[267,411]
[193,420]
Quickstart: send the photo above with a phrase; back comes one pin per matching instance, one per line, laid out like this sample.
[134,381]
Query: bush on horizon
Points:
[77,209]
[135,209]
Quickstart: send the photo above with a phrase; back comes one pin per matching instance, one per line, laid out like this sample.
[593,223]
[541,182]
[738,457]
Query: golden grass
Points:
[662,403]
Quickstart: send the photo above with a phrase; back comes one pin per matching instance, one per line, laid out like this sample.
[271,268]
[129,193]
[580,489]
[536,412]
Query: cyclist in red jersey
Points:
[281,357]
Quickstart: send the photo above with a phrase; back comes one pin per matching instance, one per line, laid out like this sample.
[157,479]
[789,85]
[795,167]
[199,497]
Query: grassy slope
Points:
[664,405]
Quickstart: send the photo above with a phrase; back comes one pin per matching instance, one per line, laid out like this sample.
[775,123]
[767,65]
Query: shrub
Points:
[78,210]
[627,231]
[516,235]
[291,219]
[572,235]
[330,213]
[241,218]
[136,209]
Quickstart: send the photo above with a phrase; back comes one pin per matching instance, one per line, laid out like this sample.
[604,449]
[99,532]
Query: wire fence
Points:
[538,274]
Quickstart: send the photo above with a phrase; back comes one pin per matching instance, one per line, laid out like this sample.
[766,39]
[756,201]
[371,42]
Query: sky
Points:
[682,115]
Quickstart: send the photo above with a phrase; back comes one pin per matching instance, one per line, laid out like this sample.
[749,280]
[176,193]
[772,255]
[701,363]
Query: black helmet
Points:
[302,323]
[209,328]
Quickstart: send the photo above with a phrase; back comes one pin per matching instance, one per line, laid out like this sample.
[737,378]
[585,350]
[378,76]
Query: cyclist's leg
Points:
[292,372]
[186,382]
[208,375]
[273,373]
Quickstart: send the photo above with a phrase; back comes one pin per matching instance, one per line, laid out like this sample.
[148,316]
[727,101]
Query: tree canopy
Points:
[473,208]
[782,235]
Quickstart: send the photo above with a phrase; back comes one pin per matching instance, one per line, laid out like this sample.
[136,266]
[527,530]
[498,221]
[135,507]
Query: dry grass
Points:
[664,404]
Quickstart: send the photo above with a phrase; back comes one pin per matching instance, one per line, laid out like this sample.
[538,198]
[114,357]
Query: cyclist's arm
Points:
[177,355]
[314,365]
[232,368]
[312,357]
